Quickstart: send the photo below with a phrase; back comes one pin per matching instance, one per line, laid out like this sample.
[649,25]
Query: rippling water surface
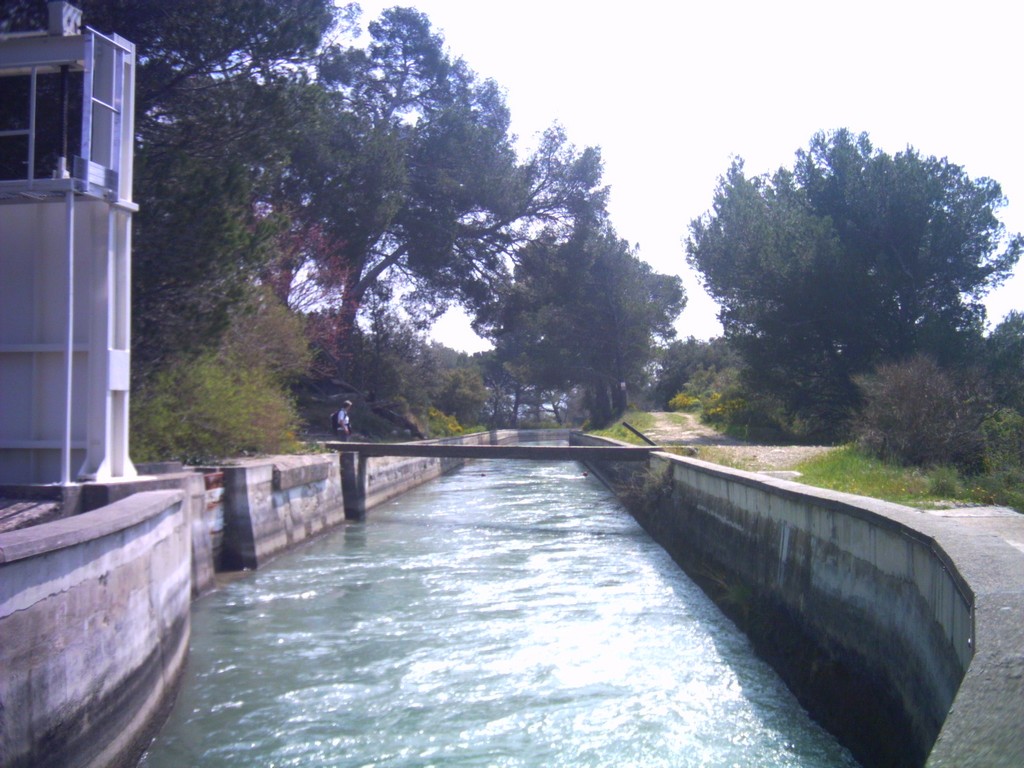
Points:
[510,614]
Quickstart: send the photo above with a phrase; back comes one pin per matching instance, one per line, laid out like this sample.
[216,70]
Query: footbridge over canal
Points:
[360,487]
[464,451]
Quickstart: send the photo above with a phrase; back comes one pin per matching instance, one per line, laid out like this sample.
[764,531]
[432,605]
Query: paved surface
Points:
[998,521]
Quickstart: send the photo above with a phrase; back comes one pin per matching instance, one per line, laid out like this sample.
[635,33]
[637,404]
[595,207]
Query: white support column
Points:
[109,368]
[69,349]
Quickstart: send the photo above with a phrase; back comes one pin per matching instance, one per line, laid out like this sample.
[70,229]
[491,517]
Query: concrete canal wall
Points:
[902,632]
[94,627]
[272,506]
[94,607]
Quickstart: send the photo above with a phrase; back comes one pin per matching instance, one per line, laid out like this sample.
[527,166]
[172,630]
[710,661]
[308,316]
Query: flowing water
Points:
[508,614]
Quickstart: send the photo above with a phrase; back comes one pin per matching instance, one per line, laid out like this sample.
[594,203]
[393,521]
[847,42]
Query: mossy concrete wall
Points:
[901,631]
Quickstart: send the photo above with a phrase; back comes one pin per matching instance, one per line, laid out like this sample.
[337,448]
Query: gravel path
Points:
[685,429]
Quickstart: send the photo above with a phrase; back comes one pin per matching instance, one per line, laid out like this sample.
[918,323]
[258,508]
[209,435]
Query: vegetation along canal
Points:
[508,614]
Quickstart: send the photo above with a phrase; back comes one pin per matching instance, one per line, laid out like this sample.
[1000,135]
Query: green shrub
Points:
[748,415]
[211,408]
[719,409]
[1005,488]
[440,424]
[228,402]
[1003,433]
[915,413]
[944,483]
[462,394]
[684,402]
[1003,481]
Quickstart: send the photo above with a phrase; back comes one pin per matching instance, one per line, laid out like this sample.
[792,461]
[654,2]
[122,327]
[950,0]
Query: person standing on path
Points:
[340,421]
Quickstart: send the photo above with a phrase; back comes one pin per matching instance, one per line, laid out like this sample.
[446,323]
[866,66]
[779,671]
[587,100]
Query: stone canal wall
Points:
[902,632]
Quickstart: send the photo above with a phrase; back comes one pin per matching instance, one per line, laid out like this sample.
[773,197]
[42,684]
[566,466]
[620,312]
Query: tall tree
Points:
[853,258]
[1004,358]
[409,169]
[219,84]
[585,312]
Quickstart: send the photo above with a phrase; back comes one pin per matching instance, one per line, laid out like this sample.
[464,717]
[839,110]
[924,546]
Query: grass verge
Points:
[849,470]
[638,419]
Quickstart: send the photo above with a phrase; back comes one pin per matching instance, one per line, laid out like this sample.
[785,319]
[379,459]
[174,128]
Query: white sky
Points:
[671,91]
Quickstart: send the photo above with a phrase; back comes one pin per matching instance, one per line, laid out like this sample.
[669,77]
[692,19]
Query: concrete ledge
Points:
[293,471]
[985,725]
[71,531]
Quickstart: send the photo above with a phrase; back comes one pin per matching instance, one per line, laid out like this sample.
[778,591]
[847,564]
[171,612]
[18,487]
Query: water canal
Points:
[508,614]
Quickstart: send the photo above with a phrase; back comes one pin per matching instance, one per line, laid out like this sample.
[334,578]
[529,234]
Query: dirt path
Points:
[686,429]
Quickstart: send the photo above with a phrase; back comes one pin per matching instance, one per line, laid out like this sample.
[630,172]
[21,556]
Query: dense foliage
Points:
[368,183]
[583,313]
[310,201]
[852,259]
[850,288]
[918,414]
[229,401]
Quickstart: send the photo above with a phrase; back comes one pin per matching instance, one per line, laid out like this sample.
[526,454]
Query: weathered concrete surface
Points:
[24,505]
[902,631]
[295,471]
[985,726]
[275,503]
[94,608]
[98,495]
[22,513]
[94,627]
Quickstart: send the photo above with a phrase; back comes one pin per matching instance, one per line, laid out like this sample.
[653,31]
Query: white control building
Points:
[66,126]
